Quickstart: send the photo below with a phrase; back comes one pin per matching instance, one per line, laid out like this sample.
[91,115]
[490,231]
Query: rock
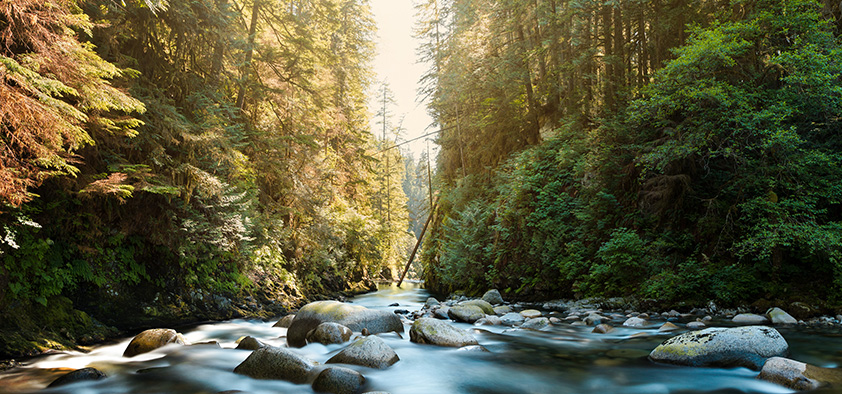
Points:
[502,310]
[431,302]
[594,319]
[512,319]
[778,316]
[667,327]
[554,320]
[797,375]
[442,313]
[493,297]
[473,349]
[490,320]
[635,322]
[603,329]
[339,380]
[439,333]
[530,313]
[285,321]
[355,317]
[394,304]
[466,313]
[722,347]
[328,333]
[401,311]
[537,324]
[696,325]
[370,352]
[275,363]
[78,375]
[749,319]
[802,311]
[249,343]
[150,340]
[485,306]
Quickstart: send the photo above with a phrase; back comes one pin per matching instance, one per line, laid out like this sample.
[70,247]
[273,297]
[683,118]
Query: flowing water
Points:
[566,359]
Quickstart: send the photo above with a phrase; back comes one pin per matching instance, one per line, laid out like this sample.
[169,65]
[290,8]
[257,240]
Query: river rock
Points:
[778,316]
[439,333]
[339,380]
[696,325]
[797,375]
[493,297]
[285,321]
[485,306]
[150,340]
[593,319]
[249,343]
[512,319]
[749,319]
[328,333]
[635,322]
[466,313]
[355,317]
[722,347]
[431,302]
[603,328]
[537,324]
[490,320]
[78,375]
[275,363]
[667,327]
[502,310]
[530,313]
[370,352]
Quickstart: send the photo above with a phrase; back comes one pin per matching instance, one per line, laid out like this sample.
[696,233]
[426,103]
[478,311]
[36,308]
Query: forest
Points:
[171,161]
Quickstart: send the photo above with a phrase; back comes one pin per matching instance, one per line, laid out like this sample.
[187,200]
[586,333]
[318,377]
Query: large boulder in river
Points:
[722,347]
[275,363]
[493,297]
[285,321]
[250,343]
[797,375]
[487,308]
[150,340]
[78,375]
[439,333]
[778,316]
[328,333]
[354,317]
[466,313]
[370,352]
[339,380]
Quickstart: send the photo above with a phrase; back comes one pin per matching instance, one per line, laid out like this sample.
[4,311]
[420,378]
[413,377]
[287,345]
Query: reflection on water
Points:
[566,359]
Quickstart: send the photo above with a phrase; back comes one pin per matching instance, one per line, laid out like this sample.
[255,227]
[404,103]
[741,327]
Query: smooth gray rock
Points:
[594,319]
[490,320]
[285,321]
[473,349]
[79,375]
[250,343]
[722,347]
[797,375]
[355,317]
[512,319]
[466,313]
[439,333]
[275,363]
[487,308]
[667,327]
[696,325]
[635,322]
[370,352]
[493,297]
[442,313]
[339,380]
[329,333]
[530,313]
[536,324]
[502,310]
[603,328]
[778,316]
[150,340]
[431,302]
[749,319]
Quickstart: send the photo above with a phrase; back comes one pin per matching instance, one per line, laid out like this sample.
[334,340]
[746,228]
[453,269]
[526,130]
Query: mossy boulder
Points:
[370,352]
[797,375]
[150,340]
[486,307]
[329,333]
[355,317]
[466,313]
[339,380]
[439,333]
[276,363]
[493,297]
[778,316]
[747,347]
[250,343]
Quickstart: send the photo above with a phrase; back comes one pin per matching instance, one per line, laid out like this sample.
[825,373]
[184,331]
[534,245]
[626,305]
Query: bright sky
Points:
[396,64]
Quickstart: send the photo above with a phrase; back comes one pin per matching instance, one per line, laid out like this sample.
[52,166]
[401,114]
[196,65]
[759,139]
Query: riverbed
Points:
[563,359]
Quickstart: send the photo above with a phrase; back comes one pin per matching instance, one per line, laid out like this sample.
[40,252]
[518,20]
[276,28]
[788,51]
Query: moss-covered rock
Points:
[439,333]
[276,363]
[722,347]
[370,352]
[797,375]
[352,316]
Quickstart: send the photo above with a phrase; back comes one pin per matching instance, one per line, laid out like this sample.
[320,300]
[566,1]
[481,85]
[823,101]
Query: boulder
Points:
[749,319]
[328,333]
[370,352]
[485,306]
[502,310]
[490,320]
[493,297]
[431,302]
[473,349]
[667,327]
[512,319]
[778,316]
[355,317]
[150,340]
[442,313]
[439,333]
[466,313]
[530,313]
[696,325]
[797,375]
[594,319]
[635,322]
[339,380]
[78,375]
[285,321]
[275,363]
[537,324]
[603,329]
[722,347]
[249,343]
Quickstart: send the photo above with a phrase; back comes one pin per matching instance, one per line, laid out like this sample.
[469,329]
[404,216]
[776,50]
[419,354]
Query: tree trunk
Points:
[241,96]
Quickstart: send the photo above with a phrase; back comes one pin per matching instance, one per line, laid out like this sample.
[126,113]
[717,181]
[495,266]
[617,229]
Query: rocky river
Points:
[542,348]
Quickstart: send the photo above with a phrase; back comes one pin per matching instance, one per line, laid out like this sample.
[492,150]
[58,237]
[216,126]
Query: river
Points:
[566,359]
